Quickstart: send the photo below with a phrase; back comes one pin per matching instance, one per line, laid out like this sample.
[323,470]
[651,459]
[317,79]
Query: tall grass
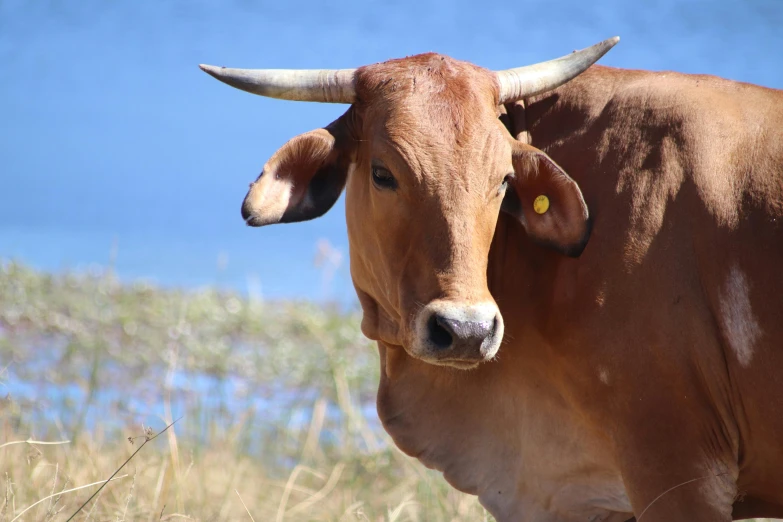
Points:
[276,403]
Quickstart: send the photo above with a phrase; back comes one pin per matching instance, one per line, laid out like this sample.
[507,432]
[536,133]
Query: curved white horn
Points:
[541,77]
[316,85]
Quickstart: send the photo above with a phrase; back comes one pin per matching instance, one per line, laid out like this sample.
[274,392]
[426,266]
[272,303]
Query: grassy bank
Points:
[275,402]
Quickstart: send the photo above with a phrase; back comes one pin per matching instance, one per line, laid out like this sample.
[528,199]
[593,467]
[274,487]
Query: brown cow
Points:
[627,228]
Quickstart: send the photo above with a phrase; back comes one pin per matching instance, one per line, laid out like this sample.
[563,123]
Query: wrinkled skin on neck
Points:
[501,434]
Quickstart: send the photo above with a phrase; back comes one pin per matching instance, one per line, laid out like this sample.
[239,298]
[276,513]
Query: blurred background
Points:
[131,293]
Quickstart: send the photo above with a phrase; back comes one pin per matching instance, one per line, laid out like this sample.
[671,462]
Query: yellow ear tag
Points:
[541,204]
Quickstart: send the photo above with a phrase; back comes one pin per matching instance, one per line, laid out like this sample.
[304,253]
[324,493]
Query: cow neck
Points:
[502,431]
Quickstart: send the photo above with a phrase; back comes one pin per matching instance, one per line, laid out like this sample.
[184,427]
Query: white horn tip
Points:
[603,47]
[209,69]
[610,42]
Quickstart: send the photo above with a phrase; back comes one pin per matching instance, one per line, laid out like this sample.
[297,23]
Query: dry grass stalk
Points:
[245,506]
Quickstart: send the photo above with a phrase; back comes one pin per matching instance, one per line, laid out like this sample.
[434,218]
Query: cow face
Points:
[427,166]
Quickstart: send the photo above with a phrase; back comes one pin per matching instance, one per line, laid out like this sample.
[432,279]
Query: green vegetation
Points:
[275,399]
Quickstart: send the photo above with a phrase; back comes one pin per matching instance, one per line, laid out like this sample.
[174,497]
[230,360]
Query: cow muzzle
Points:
[457,334]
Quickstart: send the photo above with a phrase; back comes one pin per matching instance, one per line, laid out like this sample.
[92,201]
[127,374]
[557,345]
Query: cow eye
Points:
[383,179]
[504,185]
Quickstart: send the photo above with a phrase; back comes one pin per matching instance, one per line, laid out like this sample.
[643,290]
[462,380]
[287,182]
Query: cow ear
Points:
[301,181]
[547,202]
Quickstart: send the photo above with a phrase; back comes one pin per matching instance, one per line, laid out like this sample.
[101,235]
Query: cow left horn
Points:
[316,85]
[515,84]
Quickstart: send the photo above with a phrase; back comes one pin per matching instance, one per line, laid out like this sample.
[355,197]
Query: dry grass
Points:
[276,405]
[205,482]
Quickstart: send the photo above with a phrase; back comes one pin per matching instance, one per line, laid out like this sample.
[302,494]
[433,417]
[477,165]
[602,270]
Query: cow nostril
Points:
[439,333]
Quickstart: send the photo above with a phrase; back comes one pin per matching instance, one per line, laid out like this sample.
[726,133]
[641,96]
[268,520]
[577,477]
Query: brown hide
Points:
[676,299]
[639,378]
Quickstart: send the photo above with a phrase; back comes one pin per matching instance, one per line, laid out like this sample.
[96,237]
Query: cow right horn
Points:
[530,80]
[316,85]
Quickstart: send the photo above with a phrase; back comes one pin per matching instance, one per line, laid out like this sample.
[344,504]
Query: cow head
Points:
[427,166]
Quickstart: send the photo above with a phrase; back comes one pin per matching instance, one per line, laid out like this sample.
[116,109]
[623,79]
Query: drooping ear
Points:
[547,202]
[301,181]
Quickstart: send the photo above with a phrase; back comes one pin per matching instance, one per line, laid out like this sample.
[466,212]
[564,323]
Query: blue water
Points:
[115,148]
[205,407]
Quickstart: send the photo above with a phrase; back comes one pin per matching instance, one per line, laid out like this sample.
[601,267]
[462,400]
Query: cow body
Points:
[639,312]
[653,360]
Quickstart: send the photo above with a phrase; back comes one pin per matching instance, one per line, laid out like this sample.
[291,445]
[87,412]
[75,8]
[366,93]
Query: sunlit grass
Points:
[207,481]
[276,405]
